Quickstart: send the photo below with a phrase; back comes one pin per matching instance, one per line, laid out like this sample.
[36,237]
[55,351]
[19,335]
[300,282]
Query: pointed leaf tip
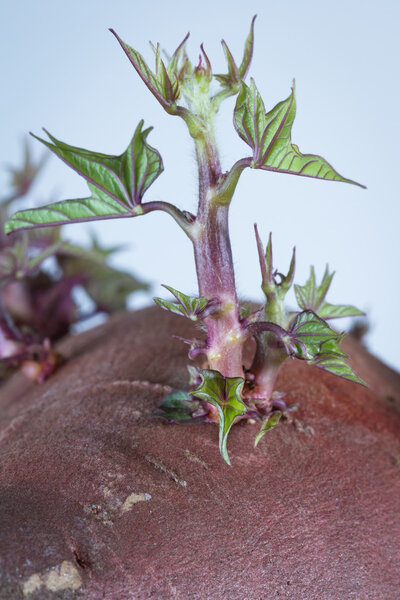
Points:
[231,80]
[308,333]
[193,308]
[269,423]
[248,51]
[225,394]
[116,183]
[162,84]
[269,135]
[311,296]
[337,365]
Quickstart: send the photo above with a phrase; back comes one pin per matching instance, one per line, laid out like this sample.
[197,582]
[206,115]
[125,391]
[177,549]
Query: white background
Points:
[62,69]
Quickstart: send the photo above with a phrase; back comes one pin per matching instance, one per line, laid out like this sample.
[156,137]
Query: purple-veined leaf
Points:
[163,84]
[193,308]
[117,184]
[337,311]
[337,365]
[313,340]
[232,76]
[308,332]
[225,394]
[179,61]
[269,136]
[248,51]
[269,423]
[167,80]
[236,74]
[311,296]
[249,116]
[331,346]
[64,212]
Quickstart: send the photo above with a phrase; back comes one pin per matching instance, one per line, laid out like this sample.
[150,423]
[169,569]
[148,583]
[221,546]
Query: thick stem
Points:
[270,352]
[214,265]
[215,273]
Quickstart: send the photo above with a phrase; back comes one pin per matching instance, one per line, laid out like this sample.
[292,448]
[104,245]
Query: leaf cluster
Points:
[117,185]
[37,297]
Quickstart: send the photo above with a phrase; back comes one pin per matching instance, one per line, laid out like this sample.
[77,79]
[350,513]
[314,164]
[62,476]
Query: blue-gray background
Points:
[62,69]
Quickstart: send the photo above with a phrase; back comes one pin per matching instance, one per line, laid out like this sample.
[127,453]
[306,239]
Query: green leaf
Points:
[314,341]
[311,296]
[179,62]
[179,407]
[163,84]
[167,80]
[308,332]
[337,365]
[269,135]
[225,394]
[232,77]
[248,51]
[337,311]
[187,306]
[331,346]
[249,116]
[236,74]
[64,212]
[269,423]
[117,184]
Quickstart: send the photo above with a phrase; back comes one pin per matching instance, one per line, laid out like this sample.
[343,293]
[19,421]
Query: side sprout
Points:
[221,391]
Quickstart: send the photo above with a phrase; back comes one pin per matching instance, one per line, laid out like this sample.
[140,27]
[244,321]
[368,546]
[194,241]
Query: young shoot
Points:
[221,391]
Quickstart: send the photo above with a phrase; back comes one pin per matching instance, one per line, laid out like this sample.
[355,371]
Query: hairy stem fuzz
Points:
[214,263]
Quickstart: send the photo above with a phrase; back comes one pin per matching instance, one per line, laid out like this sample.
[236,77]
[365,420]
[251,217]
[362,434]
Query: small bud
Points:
[203,73]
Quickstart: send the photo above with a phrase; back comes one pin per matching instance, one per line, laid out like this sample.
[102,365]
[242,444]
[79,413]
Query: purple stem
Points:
[214,265]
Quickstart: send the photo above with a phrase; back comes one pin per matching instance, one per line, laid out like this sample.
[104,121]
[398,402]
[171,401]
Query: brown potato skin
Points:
[140,509]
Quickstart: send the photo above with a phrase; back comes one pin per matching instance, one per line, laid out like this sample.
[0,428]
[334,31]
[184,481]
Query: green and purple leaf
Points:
[272,281]
[193,308]
[311,296]
[269,136]
[313,340]
[269,423]
[308,333]
[179,407]
[163,84]
[179,63]
[232,78]
[248,51]
[225,394]
[337,365]
[117,184]
[235,74]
